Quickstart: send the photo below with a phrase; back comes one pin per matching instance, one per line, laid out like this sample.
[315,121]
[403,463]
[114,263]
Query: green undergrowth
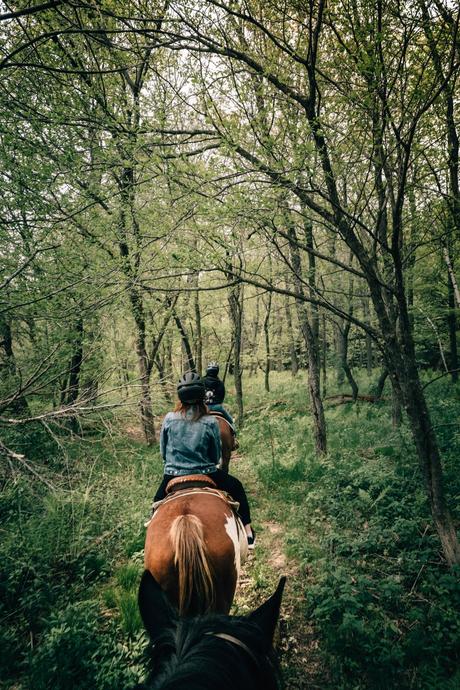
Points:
[385,607]
[370,577]
[70,563]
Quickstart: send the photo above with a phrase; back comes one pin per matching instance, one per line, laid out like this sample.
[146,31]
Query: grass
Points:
[77,543]
[369,602]
[357,523]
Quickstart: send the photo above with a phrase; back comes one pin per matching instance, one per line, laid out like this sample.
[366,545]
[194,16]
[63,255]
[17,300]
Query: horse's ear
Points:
[266,616]
[156,611]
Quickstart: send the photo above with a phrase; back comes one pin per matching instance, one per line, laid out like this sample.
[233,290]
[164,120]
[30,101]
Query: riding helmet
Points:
[212,369]
[190,388]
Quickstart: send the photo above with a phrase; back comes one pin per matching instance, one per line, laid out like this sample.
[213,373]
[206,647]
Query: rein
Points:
[238,643]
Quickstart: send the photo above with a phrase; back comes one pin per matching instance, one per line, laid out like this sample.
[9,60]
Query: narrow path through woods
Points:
[296,640]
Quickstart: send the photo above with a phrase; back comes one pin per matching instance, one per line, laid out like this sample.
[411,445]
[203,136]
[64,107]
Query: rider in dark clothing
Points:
[213,383]
[215,392]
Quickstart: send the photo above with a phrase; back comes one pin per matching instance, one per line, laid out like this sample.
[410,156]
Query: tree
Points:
[391,104]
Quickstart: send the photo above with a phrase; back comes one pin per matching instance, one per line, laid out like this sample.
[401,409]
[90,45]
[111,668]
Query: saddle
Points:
[190,481]
[195,484]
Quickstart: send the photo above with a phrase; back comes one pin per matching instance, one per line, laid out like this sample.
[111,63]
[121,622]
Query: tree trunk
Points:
[70,395]
[411,255]
[168,365]
[124,375]
[369,353]
[428,451]
[401,356]
[314,311]
[159,363]
[453,281]
[137,307]
[228,360]
[145,403]
[291,338]
[130,266]
[267,342]
[129,238]
[72,391]
[396,330]
[17,402]
[253,339]
[396,407]
[338,342]
[344,332]
[452,325]
[236,316]
[278,333]
[198,334]
[190,362]
[381,383]
[324,357]
[319,421]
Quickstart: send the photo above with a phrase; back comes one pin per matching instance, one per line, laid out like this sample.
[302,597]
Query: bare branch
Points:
[22,268]
[30,10]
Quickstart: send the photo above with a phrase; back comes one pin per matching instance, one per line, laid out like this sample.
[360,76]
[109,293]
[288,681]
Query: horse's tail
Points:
[196,585]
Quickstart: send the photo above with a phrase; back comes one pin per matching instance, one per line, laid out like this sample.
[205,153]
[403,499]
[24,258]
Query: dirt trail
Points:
[296,640]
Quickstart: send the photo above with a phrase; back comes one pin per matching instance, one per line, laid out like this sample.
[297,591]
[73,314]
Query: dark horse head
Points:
[209,652]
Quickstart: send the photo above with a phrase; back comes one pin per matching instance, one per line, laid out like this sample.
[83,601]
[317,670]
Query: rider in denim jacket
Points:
[190,444]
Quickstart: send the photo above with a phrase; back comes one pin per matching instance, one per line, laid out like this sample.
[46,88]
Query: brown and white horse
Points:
[194,548]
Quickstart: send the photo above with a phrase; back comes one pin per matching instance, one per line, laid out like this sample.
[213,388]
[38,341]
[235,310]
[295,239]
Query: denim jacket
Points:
[189,447]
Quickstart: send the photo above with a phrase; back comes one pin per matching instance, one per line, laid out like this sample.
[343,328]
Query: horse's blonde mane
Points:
[196,587]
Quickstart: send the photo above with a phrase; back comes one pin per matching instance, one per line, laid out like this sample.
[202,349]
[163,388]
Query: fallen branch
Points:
[444,373]
[64,412]
[21,459]
[342,398]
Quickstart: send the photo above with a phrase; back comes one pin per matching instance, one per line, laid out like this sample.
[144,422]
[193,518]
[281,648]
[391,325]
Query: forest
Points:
[274,186]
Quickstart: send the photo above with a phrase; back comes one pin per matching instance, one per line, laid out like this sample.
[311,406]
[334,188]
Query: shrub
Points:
[80,650]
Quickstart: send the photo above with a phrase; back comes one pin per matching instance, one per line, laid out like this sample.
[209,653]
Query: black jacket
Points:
[214,384]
